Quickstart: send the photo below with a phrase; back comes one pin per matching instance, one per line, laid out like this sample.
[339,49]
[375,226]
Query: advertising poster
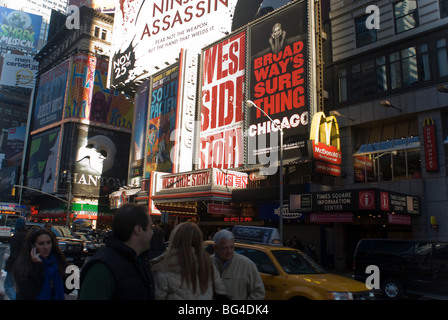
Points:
[148,34]
[97,159]
[8,177]
[50,96]
[19,29]
[19,71]
[223,78]
[44,152]
[279,84]
[89,98]
[162,121]
[137,154]
[14,146]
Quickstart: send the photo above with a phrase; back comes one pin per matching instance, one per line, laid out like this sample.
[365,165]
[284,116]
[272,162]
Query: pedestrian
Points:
[238,273]
[39,270]
[119,270]
[186,272]
[311,251]
[157,246]
[15,247]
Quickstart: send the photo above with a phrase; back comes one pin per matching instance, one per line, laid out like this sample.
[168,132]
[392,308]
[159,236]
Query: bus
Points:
[9,213]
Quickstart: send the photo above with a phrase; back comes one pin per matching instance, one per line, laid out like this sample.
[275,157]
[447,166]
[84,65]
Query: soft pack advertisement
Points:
[279,84]
[89,98]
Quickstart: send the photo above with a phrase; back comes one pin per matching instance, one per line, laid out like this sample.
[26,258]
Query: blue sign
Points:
[270,211]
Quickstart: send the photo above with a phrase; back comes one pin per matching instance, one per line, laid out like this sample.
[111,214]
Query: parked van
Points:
[405,266]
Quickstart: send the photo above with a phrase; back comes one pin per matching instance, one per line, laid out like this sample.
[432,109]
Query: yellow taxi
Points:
[289,273]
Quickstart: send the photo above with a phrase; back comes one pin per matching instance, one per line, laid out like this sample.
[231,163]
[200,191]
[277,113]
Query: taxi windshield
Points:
[293,262]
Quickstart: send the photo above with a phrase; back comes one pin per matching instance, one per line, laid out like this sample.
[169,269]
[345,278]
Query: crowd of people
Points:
[134,264]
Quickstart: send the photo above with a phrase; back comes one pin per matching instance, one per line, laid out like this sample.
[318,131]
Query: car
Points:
[406,267]
[289,274]
[91,243]
[73,248]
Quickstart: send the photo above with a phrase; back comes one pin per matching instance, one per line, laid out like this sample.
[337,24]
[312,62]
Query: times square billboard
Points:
[148,35]
[280,85]
[244,65]
[97,158]
[268,64]
[19,29]
[89,98]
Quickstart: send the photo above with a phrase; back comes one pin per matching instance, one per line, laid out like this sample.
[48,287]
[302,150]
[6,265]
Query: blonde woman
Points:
[186,271]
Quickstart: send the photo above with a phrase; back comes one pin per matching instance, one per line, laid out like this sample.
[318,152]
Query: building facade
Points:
[78,146]
[388,86]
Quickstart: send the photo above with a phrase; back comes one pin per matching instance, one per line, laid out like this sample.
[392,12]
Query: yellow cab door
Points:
[268,271]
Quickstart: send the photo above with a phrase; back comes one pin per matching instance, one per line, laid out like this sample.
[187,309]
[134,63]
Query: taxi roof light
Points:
[255,234]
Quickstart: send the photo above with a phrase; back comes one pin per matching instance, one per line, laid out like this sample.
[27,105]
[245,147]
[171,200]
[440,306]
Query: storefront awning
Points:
[201,185]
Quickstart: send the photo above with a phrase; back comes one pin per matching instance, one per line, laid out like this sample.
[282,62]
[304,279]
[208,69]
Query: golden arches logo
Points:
[326,130]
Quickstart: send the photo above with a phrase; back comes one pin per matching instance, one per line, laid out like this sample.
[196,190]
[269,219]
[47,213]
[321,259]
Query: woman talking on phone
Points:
[39,270]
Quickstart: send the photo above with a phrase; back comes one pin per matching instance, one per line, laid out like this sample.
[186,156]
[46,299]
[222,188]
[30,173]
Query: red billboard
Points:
[279,85]
[222,86]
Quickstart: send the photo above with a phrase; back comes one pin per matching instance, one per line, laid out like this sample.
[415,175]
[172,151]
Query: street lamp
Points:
[388,104]
[250,103]
[337,114]
[69,196]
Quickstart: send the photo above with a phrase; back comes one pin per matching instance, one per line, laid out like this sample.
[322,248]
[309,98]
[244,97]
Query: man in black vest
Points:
[120,271]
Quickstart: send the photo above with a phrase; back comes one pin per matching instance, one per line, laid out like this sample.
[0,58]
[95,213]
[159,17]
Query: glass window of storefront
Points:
[387,152]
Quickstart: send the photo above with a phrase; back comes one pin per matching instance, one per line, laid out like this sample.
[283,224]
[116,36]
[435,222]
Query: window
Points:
[368,77]
[443,8]
[440,251]
[408,67]
[442,57]
[405,15]
[260,259]
[97,32]
[342,85]
[103,34]
[388,152]
[364,36]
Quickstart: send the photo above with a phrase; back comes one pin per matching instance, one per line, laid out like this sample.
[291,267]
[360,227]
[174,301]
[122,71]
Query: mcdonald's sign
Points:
[326,144]
[429,140]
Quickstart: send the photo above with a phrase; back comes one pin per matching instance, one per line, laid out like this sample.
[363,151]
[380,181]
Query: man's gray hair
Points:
[223,234]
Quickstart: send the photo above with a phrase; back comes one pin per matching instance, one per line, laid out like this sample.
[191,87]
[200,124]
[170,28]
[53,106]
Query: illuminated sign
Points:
[326,145]
[429,141]
[204,178]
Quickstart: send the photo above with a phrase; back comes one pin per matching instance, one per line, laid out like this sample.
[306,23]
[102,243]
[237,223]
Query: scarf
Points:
[53,287]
